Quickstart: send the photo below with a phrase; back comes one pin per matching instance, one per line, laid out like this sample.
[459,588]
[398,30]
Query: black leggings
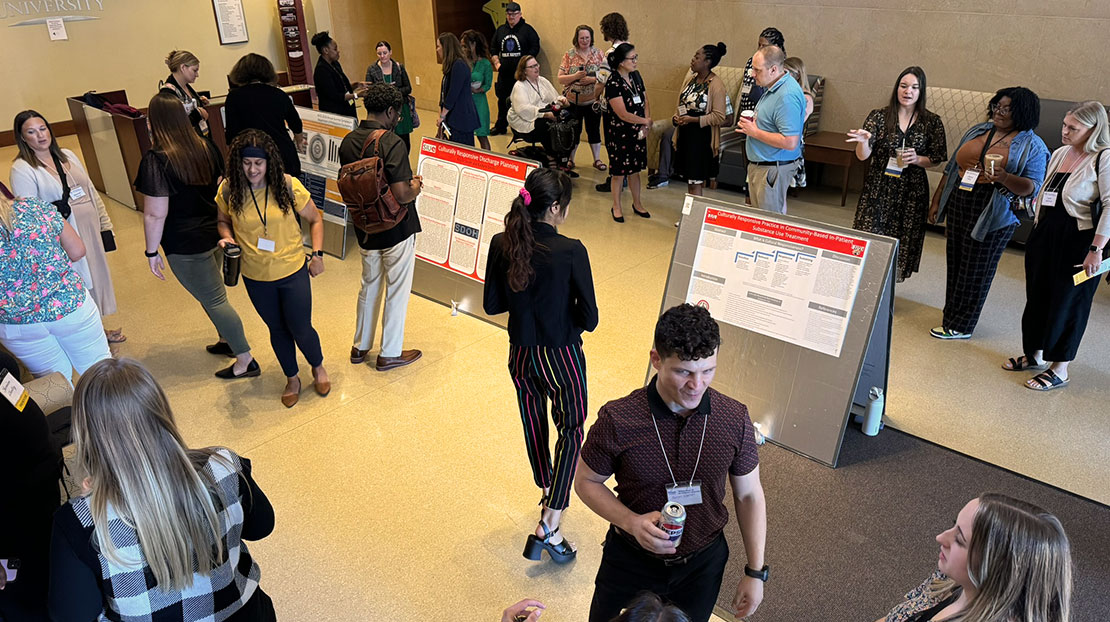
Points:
[591,118]
[285,305]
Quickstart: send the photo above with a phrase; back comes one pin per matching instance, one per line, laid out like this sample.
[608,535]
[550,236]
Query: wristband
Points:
[154,254]
[762,574]
[319,254]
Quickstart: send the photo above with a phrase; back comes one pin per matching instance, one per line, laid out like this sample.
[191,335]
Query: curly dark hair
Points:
[614,28]
[321,40]
[544,186]
[647,607]
[381,97]
[1025,107]
[238,187]
[688,332]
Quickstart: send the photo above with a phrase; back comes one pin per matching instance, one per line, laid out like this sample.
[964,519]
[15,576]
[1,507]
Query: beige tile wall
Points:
[1056,48]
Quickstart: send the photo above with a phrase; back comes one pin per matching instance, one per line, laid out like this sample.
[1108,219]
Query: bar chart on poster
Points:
[466,195]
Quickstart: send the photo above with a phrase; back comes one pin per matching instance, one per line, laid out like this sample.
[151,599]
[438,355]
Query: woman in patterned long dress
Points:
[995,542]
[627,121]
[895,199]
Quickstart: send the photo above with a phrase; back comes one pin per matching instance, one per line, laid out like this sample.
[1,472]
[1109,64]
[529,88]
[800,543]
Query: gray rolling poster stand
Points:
[801,397]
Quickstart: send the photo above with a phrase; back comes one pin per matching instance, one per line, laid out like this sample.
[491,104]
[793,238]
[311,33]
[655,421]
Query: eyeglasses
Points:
[536,66]
[634,57]
[1000,109]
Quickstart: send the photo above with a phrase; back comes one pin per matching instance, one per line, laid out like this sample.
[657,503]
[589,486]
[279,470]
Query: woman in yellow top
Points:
[257,201]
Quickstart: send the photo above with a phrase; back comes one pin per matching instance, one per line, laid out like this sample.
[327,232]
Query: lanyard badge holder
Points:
[264,243]
[13,390]
[685,494]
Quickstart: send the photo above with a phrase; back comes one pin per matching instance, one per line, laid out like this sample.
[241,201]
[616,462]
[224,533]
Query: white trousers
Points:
[74,342]
[395,265]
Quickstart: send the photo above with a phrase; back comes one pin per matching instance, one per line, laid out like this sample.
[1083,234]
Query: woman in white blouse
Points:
[1069,236]
[35,173]
[531,93]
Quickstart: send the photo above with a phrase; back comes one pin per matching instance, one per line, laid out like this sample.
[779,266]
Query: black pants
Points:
[626,570]
[504,90]
[1056,310]
[590,118]
[285,305]
[971,263]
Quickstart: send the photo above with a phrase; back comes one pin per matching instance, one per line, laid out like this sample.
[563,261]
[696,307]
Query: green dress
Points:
[404,125]
[481,73]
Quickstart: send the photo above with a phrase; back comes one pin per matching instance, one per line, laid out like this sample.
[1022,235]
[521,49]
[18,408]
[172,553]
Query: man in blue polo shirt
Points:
[774,145]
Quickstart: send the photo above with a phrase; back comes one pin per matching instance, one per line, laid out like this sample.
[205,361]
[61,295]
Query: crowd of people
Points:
[158,530]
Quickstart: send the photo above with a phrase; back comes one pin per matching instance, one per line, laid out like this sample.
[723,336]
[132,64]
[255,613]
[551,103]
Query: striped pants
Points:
[559,375]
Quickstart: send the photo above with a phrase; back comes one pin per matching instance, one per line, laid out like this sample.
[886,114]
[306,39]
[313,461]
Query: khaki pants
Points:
[395,265]
[767,185]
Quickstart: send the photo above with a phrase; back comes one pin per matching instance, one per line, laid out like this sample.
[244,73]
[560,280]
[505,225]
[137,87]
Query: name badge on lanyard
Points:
[265,245]
[1048,199]
[892,168]
[76,192]
[636,99]
[686,494]
[11,388]
[969,179]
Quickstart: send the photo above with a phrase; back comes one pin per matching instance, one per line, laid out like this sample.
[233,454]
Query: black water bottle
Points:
[232,256]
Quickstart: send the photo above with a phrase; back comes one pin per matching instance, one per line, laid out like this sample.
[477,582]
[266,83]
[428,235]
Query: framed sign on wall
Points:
[231,22]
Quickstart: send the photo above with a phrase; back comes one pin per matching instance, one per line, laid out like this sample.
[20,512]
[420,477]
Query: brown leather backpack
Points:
[365,190]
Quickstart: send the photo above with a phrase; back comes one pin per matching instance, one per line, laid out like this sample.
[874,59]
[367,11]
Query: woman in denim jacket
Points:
[996,167]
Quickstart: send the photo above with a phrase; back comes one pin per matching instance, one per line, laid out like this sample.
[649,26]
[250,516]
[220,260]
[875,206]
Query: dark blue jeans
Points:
[285,305]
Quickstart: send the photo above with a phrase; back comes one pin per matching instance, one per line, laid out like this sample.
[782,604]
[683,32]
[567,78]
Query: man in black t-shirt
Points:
[389,254]
[511,41]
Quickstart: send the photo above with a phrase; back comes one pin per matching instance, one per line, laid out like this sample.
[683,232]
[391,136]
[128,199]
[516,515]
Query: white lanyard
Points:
[705,423]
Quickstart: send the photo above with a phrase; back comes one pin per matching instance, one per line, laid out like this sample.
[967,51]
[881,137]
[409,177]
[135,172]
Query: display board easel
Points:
[467,193]
[324,133]
[804,310]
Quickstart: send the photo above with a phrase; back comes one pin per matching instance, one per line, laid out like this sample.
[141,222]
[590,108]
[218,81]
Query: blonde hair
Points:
[129,446]
[1019,558]
[797,70]
[178,58]
[1093,115]
[5,213]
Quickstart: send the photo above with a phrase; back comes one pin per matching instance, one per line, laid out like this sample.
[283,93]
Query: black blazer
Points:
[558,303]
[265,107]
[332,87]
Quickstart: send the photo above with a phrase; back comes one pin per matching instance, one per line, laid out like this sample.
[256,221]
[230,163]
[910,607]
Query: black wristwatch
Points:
[762,574]
[154,254]
[1094,249]
[318,253]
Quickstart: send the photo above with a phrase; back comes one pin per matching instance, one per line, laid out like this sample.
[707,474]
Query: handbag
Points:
[63,203]
[412,111]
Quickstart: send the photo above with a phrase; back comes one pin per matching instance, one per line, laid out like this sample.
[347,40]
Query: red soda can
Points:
[673,521]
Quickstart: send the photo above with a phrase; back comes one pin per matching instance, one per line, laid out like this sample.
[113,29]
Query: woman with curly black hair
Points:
[998,165]
[543,280]
[257,203]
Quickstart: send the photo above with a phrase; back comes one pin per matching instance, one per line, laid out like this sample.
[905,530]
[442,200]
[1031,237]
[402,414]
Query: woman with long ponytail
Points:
[543,280]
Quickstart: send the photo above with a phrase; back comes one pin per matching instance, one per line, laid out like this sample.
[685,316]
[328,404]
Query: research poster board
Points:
[798,339]
[320,171]
[467,193]
[782,280]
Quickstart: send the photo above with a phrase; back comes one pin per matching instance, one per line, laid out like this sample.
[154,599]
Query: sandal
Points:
[1045,381]
[560,553]
[601,166]
[1022,363]
[115,336]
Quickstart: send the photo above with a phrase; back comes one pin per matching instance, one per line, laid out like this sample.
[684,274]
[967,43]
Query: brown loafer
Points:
[322,388]
[358,356]
[386,363]
[290,399]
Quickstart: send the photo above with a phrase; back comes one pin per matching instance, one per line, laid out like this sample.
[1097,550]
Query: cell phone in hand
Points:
[11,568]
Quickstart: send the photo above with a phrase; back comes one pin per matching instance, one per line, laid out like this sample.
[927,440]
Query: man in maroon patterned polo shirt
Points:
[675,439]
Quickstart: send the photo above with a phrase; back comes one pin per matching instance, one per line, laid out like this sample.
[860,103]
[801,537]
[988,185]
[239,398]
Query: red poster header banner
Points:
[476,158]
[823,240]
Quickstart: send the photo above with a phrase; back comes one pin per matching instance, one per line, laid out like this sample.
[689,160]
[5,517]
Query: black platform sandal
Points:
[561,553]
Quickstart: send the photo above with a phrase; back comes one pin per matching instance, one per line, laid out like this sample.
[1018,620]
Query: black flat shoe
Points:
[614,215]
[644,214]
[560,553]
[228,373]
[221,348]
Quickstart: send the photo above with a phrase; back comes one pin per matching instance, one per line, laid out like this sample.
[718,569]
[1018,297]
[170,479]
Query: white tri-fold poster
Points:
[792,283]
